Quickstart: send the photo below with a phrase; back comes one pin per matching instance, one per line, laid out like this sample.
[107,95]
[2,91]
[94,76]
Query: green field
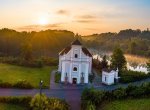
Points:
[11,107]
[130,104]
[12,74]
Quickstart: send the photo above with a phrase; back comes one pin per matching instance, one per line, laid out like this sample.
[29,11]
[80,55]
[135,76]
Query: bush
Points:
[132,76]
[119,93]
[23,84]
[50,61]
[25,101]
[93,96]
[57,77]
[5,85]
[58,104]
[91,78]
[41,102]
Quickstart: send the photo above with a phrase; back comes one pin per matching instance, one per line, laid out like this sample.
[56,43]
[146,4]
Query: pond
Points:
[134,63]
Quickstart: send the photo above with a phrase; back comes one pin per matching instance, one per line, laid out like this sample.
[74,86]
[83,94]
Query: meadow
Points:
[12,73]
[129,104]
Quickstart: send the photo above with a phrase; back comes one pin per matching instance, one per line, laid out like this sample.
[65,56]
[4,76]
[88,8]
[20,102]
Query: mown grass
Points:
[129,104]
[4,106]
[12,74]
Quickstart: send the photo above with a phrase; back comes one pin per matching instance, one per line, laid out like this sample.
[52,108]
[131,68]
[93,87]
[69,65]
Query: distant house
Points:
[109,76]
[75,63]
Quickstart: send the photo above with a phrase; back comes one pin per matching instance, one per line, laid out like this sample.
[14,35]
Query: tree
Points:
[148,66]
[27,51]
[104,62]
[118,59]
[39,102]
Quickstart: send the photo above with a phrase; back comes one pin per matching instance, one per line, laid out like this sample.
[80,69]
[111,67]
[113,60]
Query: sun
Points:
[43,20]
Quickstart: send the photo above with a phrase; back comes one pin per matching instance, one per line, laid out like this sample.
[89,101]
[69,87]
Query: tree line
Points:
[51,42]
[134,42]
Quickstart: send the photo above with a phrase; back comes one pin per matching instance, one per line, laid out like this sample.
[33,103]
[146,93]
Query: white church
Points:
[75,63]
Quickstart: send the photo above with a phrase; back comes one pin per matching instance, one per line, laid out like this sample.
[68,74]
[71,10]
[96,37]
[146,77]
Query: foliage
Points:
[91,96]
[104,62]
[57,77]
[39,102]
[148,66]
[23,84]
[95,97]
[118,59]
[132,76]
[5,106]
[134,42]
[26,52]
[57,104]
[91,78]
[119,93]
[43,103]
[43,43]
[24,100]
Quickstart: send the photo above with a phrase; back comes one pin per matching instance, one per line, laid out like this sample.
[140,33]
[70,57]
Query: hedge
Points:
[97,97]
[22,84]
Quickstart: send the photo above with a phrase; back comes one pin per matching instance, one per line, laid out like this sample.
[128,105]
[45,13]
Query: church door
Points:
[74,81]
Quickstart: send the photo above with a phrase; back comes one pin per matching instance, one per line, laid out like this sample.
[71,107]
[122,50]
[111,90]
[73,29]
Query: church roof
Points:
[107,70]
[76,42]
[65,50]
[86,52]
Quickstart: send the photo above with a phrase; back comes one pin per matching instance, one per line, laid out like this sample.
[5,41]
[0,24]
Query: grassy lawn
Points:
[130,104]
[11,107]
[12,73]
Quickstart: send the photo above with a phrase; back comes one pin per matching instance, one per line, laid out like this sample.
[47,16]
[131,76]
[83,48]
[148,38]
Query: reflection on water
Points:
[133,62]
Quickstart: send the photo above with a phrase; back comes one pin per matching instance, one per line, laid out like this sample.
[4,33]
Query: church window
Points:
[105,78]
[75,69]
[76,55]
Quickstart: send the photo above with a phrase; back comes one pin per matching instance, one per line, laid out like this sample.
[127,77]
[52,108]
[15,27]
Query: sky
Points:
[80,16]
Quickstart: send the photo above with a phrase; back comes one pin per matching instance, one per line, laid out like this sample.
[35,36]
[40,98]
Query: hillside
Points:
[50,42]
[134,42]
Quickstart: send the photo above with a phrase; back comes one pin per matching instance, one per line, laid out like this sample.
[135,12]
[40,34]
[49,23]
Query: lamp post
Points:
[41,83]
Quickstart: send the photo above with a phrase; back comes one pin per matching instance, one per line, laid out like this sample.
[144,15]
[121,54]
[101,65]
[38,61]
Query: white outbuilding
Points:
[75,63]
[109,76]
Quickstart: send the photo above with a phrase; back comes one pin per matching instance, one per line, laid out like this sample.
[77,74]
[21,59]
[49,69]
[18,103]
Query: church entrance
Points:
[74,81]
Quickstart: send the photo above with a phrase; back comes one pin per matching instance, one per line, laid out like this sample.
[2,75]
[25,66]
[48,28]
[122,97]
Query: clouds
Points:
[87,18]
[39,27]
[62,12]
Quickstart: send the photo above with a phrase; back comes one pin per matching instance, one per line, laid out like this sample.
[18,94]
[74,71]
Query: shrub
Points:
[119,93]
[41,102]
[23,84]
[25,101]
[5,85]
[91,78]
[132,76]
[91,95]
[58,104]
[57,77]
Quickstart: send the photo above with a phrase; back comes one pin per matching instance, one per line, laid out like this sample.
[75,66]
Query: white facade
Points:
[109,77]
[75,64]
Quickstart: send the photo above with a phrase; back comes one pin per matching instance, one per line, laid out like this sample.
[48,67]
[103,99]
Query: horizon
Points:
[83,17]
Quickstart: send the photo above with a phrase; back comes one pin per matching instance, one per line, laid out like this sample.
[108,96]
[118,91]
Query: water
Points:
[134,63]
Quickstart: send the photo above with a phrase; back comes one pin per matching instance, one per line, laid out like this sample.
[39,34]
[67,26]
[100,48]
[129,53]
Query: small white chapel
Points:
[109,76]
[75,63]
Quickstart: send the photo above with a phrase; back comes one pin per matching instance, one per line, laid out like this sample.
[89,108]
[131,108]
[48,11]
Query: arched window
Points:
[76,55]
[75,69]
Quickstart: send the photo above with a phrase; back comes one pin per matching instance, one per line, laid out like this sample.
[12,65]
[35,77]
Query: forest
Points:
[51,42]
